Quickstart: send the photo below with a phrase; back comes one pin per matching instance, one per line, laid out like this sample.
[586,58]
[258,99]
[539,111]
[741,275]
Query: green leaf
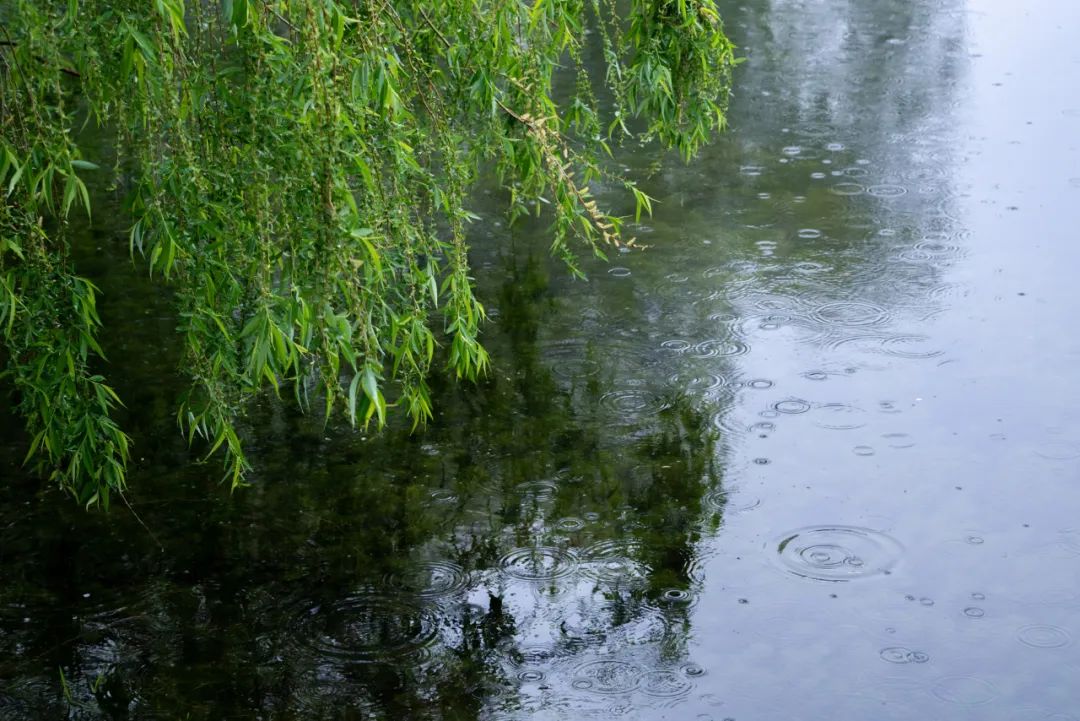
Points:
[371,390]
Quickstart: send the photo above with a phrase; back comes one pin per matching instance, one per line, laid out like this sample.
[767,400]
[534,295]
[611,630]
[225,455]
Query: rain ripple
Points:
[607,677]
[633,403]
[1042,636]
[836,553]
[367,628]
[538,563]
[665,683]
[430,579]
[901,655]
[615,562]
[839,417]
[965,690]
[850,313]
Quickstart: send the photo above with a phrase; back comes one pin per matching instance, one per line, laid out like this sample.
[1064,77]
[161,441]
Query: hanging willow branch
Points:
[301,169]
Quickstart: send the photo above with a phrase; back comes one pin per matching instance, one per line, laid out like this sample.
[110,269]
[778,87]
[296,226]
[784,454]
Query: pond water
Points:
[813,454]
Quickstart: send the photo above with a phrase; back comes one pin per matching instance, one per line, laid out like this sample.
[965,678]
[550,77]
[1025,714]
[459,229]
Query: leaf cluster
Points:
[299,174]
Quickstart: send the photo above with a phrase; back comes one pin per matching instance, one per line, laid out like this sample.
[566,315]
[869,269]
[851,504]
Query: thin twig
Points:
[140,520]
[12,44]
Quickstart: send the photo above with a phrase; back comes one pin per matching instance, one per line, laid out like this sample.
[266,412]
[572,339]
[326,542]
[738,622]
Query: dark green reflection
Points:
[403,575]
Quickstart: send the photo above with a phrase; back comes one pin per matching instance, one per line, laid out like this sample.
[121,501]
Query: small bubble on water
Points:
[979,596]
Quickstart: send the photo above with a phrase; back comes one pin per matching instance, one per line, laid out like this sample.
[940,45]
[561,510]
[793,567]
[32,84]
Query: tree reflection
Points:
[375,576]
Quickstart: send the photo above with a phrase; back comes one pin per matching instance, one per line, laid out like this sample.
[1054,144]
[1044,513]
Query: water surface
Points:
[813,454]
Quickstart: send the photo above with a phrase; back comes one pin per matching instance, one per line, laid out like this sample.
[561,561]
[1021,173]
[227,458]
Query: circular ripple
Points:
[937,248]
[570,523]
[441,495]
[536,654]
[731,501]
[899,655]
[676,596]
[692,669]
[898,440]
[966,690]
[570,361]
[839,417]
[607,677]
[974,612]
[697,382]
[633,402]
[677,344]
[1039,636]
[850,313]
[836,553]
[538,563]
[537,490]
[759,384]
[429,579]
[615,562]
[908,346]
[847,189]
[791,406]
[886,191]
[665,683]
[619,272]
[367,628]
[718,348]
[809,233]
[1059,450]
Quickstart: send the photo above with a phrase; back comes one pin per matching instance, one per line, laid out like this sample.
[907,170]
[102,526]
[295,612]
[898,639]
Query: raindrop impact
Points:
[607,677]
[367,628]
[836,553]
[1042,636]
[538,563]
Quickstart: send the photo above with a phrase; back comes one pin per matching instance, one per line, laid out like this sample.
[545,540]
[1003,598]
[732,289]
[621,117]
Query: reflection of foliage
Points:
[299,174]
[219,628]
[679,464]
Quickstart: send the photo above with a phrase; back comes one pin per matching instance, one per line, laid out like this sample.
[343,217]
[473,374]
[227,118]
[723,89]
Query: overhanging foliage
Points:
[298,174]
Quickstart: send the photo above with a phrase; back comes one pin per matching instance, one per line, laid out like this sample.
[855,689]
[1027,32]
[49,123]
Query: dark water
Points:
[815,454]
